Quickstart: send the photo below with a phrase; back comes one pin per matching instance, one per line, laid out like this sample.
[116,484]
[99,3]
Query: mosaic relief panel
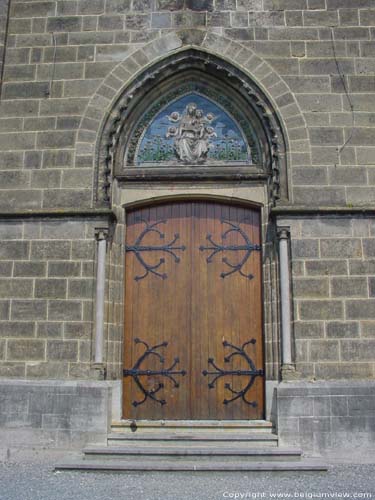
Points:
[193,130]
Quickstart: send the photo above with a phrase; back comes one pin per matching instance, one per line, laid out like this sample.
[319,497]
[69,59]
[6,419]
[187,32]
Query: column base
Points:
[289,372]
[98,371]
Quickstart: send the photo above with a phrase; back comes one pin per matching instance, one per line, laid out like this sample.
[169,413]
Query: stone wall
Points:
[67,61]
[46,297]
[333,262]
[330,418]
[47,90]
[53,414]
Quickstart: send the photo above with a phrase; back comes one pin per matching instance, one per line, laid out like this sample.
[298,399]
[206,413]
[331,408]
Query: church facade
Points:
[187,226]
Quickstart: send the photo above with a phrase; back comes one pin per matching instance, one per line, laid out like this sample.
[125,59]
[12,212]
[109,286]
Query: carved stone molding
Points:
[173,70]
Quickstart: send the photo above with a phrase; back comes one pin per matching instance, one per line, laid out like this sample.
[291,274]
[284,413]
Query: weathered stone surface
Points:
[50,288]
[29,310]
[349,287]
[321,310]
[324,350]
[358,350]
[65,310]
[342,330]
[25,350]
[62,350]
[341,248]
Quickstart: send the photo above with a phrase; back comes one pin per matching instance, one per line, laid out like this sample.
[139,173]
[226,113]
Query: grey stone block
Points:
[84,250]
[349,287]
[78,330]
[17,329]
[30,309]
[34,9]
[307,84]
[14,250]
[62,230]
[50,250]
[67,198]
[321,227]
[321,18]
[20,288]
[326,136]
[49,330]
[65,310]
[81,288]
[12,369]
[62,350]
[360,309]
[18,141]
[90,7]
[324,350]
[296,407]
[369,247]
[21,72]
[64,269]
[56,139]
[321,309]
[6,269]
[339,405]
[48,370]
[326,267]
[308,330]
[11,159]
[322,406]
[314,196]
[305,248]
[53,159]
[326,67]
[10,230]
[362,266]
[311,287]
[25,349]
[64,24]
[358,350]
[29,269]
[46,179]
[341,248]
[4,309]
[20,199]
[351,33]
[60,107]
[26,90]
[50,288]
[342,330]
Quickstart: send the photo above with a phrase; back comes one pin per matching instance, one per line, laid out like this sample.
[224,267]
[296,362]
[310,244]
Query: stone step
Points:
[206,438]
[198,426]
[190,452]
[196,465]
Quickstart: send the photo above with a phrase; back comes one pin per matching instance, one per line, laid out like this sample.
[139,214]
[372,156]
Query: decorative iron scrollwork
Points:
[252,373]
[137,372]
[168,248]
[248,247]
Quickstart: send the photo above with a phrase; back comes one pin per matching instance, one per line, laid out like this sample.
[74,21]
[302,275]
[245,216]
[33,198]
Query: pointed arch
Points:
[237,66]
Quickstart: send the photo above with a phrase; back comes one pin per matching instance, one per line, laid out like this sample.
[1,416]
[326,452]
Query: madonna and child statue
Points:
[192,130]
[192,133]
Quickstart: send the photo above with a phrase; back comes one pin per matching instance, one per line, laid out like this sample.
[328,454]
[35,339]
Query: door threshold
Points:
[192,423]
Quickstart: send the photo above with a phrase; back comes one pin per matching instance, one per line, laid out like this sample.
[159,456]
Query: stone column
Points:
[101,235]
[286,330]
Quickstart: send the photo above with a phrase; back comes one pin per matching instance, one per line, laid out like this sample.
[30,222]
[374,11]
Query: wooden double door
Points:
[193,313]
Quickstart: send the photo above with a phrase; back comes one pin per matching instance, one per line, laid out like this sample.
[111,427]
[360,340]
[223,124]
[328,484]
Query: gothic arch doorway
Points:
[193,312]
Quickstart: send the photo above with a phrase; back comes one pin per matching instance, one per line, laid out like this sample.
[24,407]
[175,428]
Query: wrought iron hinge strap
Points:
[137,372]
[168,248]
[215,248]
[219,373]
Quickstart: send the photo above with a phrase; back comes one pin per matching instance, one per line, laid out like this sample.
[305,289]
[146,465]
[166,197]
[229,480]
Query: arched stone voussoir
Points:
[104,111]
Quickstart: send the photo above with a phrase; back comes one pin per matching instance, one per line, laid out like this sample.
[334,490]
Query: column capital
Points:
[283,233]
[101,233]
